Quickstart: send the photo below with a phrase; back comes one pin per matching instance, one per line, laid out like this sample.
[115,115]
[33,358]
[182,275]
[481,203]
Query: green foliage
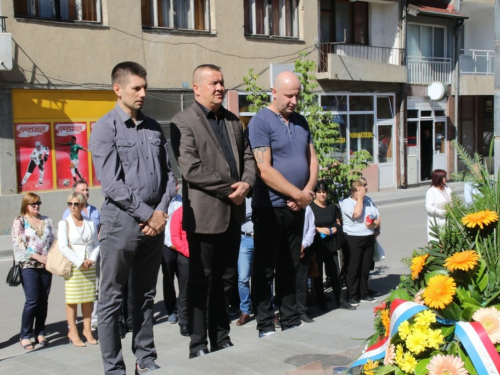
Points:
[324,129]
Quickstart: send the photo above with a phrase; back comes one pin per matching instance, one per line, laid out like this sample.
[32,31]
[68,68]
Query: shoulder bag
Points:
[58,264]
[14,275]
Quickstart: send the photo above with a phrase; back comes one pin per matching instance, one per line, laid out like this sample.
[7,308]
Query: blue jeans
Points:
[36,285]
[245,260]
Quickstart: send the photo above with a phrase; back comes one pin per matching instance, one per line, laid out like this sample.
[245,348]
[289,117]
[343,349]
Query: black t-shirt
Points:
[326,217]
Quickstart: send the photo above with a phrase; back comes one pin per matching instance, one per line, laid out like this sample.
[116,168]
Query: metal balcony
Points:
[478,62]
[425,70]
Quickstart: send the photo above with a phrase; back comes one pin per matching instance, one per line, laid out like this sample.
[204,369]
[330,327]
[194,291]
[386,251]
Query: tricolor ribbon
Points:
[479,347]
[401,311]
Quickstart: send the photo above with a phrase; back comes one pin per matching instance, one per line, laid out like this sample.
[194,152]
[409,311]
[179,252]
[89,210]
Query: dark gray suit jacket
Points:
[206,176]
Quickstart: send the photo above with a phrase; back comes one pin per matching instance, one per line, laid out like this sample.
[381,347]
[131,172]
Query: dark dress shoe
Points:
[306,319]
[244,319]
[199,353]
[145,369]
[373,293]
[184,330]
[346,306]
[226,345]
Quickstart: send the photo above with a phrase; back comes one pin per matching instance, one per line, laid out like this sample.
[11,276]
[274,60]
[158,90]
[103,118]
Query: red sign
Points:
[34,162]
[95,181]
[71,153]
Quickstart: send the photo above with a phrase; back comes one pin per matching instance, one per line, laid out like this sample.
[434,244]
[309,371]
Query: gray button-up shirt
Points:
[132,163]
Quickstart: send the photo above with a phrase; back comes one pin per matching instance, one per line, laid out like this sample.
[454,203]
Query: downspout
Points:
[456,46]
[403,124]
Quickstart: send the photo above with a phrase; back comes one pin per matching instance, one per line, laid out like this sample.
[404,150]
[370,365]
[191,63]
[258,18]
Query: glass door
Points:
[439,138]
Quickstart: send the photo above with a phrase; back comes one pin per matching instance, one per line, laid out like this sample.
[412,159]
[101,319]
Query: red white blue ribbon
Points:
[479,347]
[400,311]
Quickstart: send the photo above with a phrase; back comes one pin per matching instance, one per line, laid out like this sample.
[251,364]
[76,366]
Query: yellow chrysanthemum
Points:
[417,265]
[386,321]
[465,260]
[369,366]
[424,319]
[399,353]
[407,363]
[439,292]
[434,338]
[480,219]
[416,341]
[404,330]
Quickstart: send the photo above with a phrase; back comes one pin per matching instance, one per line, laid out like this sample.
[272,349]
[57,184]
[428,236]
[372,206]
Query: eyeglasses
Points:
[34,204]
[74,204]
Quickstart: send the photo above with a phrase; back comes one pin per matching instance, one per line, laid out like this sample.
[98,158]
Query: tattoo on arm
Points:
[259,154]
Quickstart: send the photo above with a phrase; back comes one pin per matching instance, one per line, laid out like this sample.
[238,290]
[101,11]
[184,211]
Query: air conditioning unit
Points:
[5,51]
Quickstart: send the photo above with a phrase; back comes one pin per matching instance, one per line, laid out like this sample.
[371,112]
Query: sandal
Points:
[27,346]
[43,343]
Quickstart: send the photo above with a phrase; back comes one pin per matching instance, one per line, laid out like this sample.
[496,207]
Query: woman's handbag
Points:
[57,264]
[14,275]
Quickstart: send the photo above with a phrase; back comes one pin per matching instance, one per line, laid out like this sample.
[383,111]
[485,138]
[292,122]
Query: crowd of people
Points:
[252,217]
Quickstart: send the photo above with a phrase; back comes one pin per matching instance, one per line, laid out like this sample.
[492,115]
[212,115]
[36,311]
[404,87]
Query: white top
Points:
[175,203]
[84,244]
[435,202]
[357,227]
[309,228]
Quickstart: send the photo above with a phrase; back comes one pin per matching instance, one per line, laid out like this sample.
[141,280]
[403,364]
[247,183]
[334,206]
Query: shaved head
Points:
[286,93]
[198,73]
[286,78]
[208,86]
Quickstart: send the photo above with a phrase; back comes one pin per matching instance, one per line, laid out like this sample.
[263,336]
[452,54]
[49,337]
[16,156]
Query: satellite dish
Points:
[436,91]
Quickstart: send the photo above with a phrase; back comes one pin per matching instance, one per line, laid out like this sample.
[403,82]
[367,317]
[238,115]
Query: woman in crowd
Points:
[79,243]
[360,219]
[326,244]
[33,235]
[438,195]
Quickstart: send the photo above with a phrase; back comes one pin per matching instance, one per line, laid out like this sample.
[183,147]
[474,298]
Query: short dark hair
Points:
[73,138]
[321,185]
[126,68]
[437,177]
[207,66]
[80,182]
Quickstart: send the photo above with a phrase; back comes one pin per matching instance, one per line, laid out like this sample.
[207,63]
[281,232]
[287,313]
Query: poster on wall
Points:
[71,153]
[34,166]
[95,181]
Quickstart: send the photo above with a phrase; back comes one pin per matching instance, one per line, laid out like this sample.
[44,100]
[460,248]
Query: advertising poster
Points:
[72,164]
[95,181]
[34,162]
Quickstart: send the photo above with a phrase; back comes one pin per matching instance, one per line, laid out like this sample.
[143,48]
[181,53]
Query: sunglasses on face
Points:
[74,204]
[34,204]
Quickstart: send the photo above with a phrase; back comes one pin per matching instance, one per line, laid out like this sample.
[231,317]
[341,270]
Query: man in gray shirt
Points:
[129,151]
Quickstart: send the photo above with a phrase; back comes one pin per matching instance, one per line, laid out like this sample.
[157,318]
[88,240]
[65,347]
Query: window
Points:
[344,21]
[59,10]
[426,41]
[176,14]
[271,17]
[244,107]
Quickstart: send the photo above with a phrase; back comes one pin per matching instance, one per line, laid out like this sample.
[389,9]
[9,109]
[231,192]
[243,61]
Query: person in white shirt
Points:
[436,198]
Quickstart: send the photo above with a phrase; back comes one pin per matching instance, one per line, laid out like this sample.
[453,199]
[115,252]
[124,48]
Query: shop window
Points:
[413,113]
[244,104]
[59,10]
[385,108]
[340,147]
[412,134]
[344,22]
[361,133]
[361,103]
[336,103]
[176,14]
[440,113]
[385,144]
[426,113]
[271,18]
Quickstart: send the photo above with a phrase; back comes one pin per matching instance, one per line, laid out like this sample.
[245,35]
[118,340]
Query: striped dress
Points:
[80,286]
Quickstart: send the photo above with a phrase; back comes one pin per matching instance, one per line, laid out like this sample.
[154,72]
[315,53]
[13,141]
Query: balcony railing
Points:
[3,24]
[424,70]
[387,55]
[478,62]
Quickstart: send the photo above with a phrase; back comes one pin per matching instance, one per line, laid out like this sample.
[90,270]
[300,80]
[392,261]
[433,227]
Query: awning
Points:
[435,8]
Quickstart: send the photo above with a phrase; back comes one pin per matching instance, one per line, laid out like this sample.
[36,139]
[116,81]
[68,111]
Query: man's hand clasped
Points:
[155,224]
[241,189]
[302,201]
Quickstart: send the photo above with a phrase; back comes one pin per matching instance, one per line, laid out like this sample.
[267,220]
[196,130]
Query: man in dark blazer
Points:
[218,172]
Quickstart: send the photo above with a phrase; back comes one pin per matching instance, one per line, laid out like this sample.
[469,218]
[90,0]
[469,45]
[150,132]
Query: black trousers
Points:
[331,264]
[126,253]
[301,281]
[278,238]
[358,258]
[174,263]
[213,260]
